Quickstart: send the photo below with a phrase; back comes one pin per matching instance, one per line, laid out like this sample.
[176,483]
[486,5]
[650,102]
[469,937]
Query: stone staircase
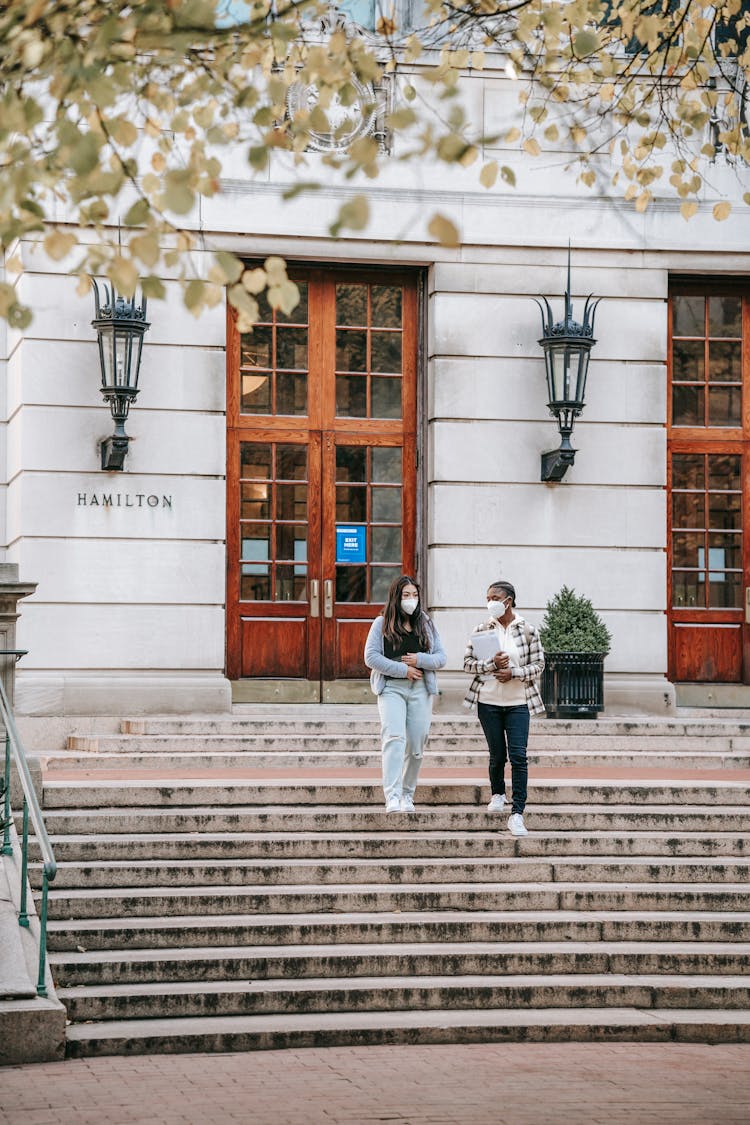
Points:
[235,884]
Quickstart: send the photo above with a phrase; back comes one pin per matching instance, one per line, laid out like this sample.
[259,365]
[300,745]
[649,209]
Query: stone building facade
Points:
[186,580]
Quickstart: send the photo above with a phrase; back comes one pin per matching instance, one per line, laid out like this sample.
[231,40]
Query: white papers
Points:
[485,644]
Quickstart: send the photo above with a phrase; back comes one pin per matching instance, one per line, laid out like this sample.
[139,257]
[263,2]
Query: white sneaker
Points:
[516,825]
[407,804]
[498,803]
[393,804]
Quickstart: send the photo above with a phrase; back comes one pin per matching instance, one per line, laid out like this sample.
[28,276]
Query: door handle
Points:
[328,598]
[314,597]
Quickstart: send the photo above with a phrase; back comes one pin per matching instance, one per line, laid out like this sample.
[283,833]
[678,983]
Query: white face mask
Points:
[408,605]
[496,609]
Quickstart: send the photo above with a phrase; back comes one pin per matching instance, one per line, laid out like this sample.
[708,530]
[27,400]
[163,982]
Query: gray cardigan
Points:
[382,667]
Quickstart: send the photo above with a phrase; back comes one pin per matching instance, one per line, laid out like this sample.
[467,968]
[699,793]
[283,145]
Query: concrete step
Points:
[174,762]
[368,740]
[513,869]
[178,999]
[140,966]
[211,793]
[194,848]
[539,818]
[368,719]
[281,905]
[146,902]
[246,1033]
[186,932]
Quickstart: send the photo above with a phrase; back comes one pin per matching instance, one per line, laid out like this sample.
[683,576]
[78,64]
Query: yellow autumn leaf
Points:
[284,296]
[145,247]
[531,145]
[512,135]
[124,276]
[488,175]
[688,209]
[722,211]
[254,281]
[57,244]
[643,201]
[444,231]
[275,270]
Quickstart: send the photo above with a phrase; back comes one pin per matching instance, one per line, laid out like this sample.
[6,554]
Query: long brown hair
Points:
[394,620]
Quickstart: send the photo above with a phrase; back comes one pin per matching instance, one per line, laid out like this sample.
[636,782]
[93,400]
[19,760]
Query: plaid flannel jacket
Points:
[529,670]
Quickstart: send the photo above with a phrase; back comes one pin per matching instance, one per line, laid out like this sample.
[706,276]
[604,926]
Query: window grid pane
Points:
[707,535]
[369,492]
[369,351]
[707,361]
[274,361]
[273,522]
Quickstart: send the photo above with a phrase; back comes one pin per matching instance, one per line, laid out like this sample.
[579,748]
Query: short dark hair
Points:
[508,587]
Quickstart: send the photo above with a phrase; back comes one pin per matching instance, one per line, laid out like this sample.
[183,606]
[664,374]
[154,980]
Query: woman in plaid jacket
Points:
[505,690]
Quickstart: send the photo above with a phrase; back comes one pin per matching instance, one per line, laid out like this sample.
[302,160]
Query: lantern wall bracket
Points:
[114,450]
[555,464]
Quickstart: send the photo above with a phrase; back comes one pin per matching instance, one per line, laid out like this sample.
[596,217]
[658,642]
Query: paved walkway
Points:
[536,1084]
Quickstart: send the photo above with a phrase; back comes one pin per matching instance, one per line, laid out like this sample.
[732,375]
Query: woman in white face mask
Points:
[506,659]
[404,651]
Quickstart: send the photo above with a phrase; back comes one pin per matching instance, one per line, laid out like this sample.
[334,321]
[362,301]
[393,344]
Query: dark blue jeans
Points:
[507,732]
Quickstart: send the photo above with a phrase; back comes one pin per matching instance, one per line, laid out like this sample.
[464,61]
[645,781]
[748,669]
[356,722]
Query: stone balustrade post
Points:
[11,593]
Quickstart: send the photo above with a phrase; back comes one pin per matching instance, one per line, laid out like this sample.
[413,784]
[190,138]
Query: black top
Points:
[408,643]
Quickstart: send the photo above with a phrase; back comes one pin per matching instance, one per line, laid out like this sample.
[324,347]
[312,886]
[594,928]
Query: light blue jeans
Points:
[405,708]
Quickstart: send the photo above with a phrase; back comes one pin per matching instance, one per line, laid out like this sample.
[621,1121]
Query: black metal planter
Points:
[573,684]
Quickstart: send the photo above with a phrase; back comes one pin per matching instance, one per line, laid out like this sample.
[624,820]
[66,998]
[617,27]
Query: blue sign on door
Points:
[351,543]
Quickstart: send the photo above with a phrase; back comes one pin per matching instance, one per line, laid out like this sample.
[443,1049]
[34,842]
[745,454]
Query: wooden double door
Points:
[708,482]
[321,475]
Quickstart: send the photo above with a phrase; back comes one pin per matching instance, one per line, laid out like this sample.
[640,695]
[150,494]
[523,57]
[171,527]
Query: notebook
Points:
[485,644]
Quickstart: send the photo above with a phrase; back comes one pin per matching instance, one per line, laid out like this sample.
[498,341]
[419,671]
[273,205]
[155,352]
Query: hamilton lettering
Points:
[123,500]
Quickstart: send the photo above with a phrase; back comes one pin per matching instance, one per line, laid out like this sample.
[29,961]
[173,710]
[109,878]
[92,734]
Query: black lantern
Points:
[120,327]
[567,345]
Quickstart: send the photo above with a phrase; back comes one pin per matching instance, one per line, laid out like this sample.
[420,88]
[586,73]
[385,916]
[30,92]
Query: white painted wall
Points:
[129,608]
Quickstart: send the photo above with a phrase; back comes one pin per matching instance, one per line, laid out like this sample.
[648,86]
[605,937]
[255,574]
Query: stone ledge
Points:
[623,694]
[117,693]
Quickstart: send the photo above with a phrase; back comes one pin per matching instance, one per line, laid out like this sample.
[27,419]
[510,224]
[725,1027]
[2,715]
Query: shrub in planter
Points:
[575,641]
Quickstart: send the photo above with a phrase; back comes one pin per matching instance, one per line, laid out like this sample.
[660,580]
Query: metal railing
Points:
[14,751]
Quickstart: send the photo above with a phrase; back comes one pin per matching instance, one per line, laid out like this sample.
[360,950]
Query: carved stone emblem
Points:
[364,116]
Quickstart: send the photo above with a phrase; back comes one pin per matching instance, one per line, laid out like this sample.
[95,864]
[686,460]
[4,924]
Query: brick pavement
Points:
[483,1084]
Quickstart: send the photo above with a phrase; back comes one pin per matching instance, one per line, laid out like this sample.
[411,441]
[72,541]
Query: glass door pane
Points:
[707,530]
[369,493]
[273,521]
[707,361]
[369,351]
[274,361]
